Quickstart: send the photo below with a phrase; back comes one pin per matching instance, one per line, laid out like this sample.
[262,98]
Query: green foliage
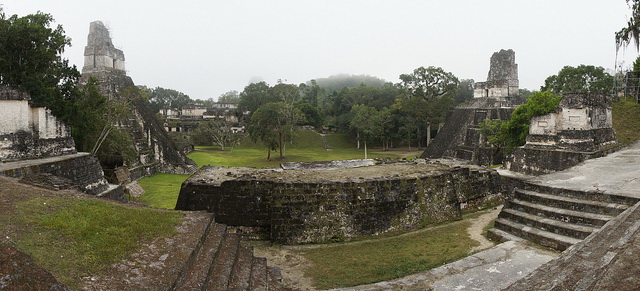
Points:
[464,91]
[215,132]
[514,133]
[338,82]
[581,79]
[429,83]
[161,98]
[31,61]
[74,238]
[272,124]
[229,97]
[253,96]
[495,131]
[626,120]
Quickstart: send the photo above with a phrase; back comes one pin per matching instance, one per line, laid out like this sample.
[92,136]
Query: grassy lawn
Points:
[626,120]
[307,147]
[74,238]
[161,190]
[351,264]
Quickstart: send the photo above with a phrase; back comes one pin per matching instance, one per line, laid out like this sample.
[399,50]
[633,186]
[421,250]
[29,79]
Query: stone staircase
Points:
[222,262]
[554,217]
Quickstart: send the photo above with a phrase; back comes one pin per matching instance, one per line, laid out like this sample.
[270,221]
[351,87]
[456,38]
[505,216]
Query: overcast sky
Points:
[206,48]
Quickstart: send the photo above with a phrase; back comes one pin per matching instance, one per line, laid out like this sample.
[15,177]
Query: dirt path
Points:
[477,226]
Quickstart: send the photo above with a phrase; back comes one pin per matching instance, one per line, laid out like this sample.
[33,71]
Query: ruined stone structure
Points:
[495,99]
[37,147]
[305,206]
[28,131]
[581,128]
[502,81]
[156,151]
[100,54]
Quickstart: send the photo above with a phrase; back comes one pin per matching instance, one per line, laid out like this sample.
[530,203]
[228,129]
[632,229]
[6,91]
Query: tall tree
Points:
[429,83]
[366,122]
[582,79]
[272,124]
[31,61]
[216,132]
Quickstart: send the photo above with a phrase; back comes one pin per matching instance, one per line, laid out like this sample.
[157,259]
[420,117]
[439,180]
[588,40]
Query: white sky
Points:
[206,48]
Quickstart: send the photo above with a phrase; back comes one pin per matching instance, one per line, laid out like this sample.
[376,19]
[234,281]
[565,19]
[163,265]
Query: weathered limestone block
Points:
[502,80]
[100,54]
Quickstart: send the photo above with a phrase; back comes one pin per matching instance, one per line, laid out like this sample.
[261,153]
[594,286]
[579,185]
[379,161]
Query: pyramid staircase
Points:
[554,217]
[222,262]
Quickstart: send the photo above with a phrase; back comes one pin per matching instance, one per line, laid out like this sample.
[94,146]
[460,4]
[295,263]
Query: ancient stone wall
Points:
[294,212]
[28,131]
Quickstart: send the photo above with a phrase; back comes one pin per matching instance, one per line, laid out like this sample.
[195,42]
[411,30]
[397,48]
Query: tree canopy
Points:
[632,31]
[581,79]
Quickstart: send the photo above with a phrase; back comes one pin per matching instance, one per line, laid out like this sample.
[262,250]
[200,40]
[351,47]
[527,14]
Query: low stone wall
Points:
[83,169]
[25,145]
[294,212]
[534,161]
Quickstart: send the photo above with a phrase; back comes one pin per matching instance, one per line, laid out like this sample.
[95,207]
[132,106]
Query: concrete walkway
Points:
[617,173]
[491,269]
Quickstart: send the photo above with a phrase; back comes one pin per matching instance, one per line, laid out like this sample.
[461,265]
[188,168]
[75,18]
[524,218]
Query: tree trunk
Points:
[268,154]
[428,134]
[281,136]
[358,139]
[365,149]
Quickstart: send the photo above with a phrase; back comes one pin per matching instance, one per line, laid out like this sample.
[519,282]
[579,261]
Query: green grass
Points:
[626,120]
[351,264]
[161,190]
[74,238]
[307,147]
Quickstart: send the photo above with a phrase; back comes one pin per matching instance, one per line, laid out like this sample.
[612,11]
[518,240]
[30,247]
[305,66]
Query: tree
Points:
[581,79]
[31,61]
[167,98]
[272,124]
[429,83]
[366,122]
[513,133]
[253,96]
[229,97]
[632,31]
[216,132]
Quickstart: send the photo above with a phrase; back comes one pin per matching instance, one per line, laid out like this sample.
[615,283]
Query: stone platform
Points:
[82,169]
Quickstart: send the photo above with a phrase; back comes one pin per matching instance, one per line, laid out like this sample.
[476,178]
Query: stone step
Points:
[575,204]
[197,268]
[570,216]
[587,195]
[274,278]
[547,224]
[502,236]
[541,237]
[258,281]
[222,267]
[241,274]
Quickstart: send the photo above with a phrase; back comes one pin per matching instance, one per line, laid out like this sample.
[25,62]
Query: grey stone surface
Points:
[617,173]
[492,269]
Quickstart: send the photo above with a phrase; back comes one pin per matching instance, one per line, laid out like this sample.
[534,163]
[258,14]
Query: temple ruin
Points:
[502,81]
[494,99]
[156,151]
[579,129]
